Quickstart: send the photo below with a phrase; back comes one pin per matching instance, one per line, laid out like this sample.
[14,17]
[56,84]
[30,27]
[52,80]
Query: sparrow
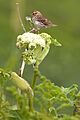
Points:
[39,21]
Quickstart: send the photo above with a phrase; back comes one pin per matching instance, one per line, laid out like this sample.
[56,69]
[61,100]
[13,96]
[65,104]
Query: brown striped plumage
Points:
[40,21]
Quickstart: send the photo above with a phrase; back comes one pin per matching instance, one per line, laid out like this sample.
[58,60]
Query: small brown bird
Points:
[40,21]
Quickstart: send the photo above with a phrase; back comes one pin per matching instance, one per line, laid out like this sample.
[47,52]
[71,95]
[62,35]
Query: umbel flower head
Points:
[36,46]
[30,39]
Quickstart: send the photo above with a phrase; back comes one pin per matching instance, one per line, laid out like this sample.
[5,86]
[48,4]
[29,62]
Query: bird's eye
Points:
[34,13]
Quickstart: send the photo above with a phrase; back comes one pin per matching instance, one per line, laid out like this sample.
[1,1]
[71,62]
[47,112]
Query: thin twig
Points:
[19,16]
[22,68]
[21,22]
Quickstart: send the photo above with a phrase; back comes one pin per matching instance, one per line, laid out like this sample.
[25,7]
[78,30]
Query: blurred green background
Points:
[62,64]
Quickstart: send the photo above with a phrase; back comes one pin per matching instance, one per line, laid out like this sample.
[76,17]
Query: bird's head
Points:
[36,13]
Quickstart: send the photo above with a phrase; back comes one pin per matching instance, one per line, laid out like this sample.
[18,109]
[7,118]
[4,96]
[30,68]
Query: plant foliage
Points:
[50,102]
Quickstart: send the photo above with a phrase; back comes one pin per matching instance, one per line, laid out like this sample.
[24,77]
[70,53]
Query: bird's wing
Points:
[43,20]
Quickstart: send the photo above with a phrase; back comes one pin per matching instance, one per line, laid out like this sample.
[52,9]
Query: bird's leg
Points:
[34,30]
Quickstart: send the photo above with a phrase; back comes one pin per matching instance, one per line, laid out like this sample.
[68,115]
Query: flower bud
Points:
[21,83]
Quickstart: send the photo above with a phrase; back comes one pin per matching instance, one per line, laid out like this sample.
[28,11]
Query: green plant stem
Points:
[36,75]
[31,104]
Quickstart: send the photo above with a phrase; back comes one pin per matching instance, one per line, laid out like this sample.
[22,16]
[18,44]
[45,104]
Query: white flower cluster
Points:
[31,39]
[35,46]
